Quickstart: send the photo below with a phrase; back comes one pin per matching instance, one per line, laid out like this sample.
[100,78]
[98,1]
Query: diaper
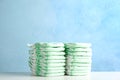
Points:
[77,45]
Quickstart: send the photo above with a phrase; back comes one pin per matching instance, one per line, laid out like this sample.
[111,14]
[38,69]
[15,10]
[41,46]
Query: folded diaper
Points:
[53,53]
[78,73]
[53,61]
[89,54]
[46,44]
[79,49]
[77,68]
[47,74]
[77,45]
[49,57]
[52,49]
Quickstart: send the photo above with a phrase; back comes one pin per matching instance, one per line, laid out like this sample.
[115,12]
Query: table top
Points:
[28,76]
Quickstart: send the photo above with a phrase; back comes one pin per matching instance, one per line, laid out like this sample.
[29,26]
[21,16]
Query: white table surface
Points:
[28,76]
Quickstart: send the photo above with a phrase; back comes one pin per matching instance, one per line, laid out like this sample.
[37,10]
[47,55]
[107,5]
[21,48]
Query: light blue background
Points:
[29,21]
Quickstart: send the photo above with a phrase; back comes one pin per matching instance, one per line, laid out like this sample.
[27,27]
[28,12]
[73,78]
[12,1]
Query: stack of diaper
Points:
[47,59]
[78,59]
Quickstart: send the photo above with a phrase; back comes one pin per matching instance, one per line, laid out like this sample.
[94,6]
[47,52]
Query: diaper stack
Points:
[78,59]
[47,59]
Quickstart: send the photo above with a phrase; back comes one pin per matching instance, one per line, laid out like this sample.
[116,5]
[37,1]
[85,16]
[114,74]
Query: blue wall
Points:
[29,21]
